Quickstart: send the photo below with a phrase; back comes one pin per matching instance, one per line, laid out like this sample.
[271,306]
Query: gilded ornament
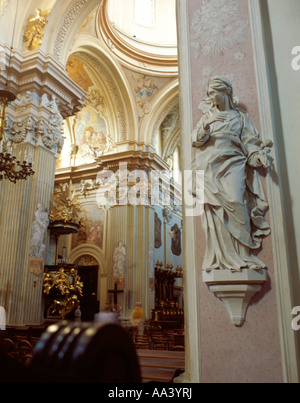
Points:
[65,284]
[65,205]
[35,29]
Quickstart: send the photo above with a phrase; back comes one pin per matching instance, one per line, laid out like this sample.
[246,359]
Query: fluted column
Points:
[33,124]
[131,221]
[20,290]
[133,226]
[118,223]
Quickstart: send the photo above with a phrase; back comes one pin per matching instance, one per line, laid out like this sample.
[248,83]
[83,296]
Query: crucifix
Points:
[115,293]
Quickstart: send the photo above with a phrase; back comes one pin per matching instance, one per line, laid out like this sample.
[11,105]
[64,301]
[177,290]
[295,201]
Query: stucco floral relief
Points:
[217,26]
[221,44]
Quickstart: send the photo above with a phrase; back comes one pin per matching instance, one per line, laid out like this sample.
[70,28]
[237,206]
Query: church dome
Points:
[141,33]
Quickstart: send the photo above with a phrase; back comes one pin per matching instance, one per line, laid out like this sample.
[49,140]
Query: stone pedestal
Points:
[235,289]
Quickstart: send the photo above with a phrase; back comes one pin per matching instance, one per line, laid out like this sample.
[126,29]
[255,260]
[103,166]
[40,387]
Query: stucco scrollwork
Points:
[50,138]
[96,100]
[51,105]
[15,131]
[23,100]
[69,20]
[67,23]
[88,185]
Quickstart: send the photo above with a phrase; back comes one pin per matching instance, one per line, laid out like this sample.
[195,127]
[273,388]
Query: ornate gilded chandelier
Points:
[10,167]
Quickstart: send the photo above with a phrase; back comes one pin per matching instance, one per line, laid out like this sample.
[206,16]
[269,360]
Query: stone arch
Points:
[98,255]
[162,104]
[68,24]
[64,20]
[91,250]
[170,133]
[172,145]
[112,82]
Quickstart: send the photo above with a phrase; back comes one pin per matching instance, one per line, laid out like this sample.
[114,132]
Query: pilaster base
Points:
[235,289]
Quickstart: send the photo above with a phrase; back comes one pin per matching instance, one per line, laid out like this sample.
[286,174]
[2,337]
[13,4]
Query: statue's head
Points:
[220,83]
[223,84]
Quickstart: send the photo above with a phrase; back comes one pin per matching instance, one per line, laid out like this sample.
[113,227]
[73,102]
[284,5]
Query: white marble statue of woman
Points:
[39,227]
[119,260]
[229,150]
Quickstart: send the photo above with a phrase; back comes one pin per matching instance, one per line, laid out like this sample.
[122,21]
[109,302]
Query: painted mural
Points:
[144,88]
[91,135]
[92,226]
[76,71]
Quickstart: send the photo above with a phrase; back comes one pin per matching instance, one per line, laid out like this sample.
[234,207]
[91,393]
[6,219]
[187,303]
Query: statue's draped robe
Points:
[234,200]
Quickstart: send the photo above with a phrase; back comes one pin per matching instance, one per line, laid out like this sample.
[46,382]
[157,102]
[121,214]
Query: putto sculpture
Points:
[229,153]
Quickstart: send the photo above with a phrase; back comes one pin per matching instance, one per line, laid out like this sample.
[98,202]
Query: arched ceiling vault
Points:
[69,24]
[107,77]
[127,51]
[63,38]
[63,21]
[165,101]
[170,133]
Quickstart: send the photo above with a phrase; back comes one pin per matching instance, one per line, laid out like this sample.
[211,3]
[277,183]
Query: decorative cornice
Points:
[40,73]
[45,96]
[135,159]
[132,161]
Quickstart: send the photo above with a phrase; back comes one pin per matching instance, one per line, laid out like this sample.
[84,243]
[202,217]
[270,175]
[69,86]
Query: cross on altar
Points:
[115,292]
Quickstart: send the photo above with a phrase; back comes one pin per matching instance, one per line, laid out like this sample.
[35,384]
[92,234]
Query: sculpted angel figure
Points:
[229,151]
[35,28]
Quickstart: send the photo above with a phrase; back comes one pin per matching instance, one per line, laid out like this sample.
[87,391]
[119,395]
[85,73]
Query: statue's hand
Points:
[261,158]
[203,130]
[215,116]
[200,141]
